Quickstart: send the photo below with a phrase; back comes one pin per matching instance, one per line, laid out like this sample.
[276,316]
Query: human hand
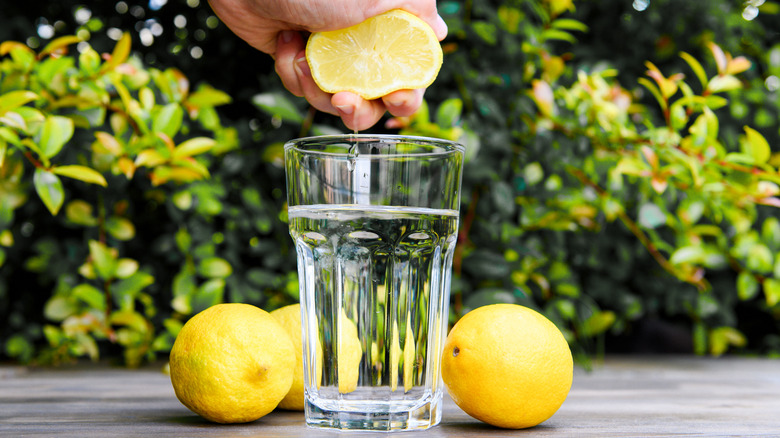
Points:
[277,27]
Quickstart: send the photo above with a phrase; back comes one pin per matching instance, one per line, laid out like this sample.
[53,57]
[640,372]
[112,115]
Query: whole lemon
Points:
[507,365]
[232,363]
[290,318]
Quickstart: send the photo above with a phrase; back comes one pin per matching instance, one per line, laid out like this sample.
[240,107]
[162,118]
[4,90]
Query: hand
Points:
[277,27]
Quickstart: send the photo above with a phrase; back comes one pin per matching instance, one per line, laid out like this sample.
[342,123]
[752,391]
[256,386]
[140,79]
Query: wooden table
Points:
[623,396]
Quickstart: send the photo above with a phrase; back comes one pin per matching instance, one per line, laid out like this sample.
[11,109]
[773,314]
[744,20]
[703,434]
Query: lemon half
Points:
[392,51]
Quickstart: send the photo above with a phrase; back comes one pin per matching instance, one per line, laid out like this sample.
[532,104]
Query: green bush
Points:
[622,167]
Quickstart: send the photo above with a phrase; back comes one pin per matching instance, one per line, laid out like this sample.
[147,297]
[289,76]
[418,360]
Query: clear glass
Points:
[374,219]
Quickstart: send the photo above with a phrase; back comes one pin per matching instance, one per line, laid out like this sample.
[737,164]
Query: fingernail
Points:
[346,109]
[287,36]
[396,104]
[302,67]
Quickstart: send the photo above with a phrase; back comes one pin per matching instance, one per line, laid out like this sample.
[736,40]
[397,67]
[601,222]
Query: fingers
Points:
[309,89]
[357,113]
[403,103]
[289,43]
[425,9]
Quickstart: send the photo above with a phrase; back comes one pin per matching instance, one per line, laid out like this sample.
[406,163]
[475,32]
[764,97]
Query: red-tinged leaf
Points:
[120,54]
[771,201]
[738,65]
[109,142]
[720,57]
[58,45]
[149,158]
[81,173]
[7,46]
[659,184]
[194,165]
[542,94]
[127,167]
[650,156]
[3,149]
[166,140]
[164,174]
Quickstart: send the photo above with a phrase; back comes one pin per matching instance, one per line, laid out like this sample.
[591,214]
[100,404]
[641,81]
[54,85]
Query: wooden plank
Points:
[632,396]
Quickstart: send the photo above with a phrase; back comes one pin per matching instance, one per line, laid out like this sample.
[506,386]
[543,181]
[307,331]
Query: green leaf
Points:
[183,240]
[699,338]
[557,34]
[14,99]
[756,146]
[90,295]
[120,228]
[215,267]
[80,212]
[687,254]
[207,96]
[168,120]
[81,173]
[770,233]
[723,83]
[760,258]
[104,260]
[698,70]
[654,91]
[772,291]
[209,293]
[59,308]
[89,61]
[569,24]
[17,346]
[485,30]
[714,102]
[747,286]
[57,131]
[278,105]
[193,146]
[49,189]
[449,112]
[126,290]
[598,323]
[126,267]
[722,338]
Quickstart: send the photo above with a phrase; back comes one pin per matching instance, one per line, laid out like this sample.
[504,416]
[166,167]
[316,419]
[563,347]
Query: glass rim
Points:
[449,146]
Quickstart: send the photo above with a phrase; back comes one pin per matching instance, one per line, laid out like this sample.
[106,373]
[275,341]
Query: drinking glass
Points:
[374,219]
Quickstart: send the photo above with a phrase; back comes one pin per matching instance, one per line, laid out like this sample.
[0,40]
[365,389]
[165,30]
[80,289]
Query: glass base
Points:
[376,416]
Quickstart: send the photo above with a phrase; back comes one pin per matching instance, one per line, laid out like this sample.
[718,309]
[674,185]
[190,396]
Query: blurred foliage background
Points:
[621,176]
